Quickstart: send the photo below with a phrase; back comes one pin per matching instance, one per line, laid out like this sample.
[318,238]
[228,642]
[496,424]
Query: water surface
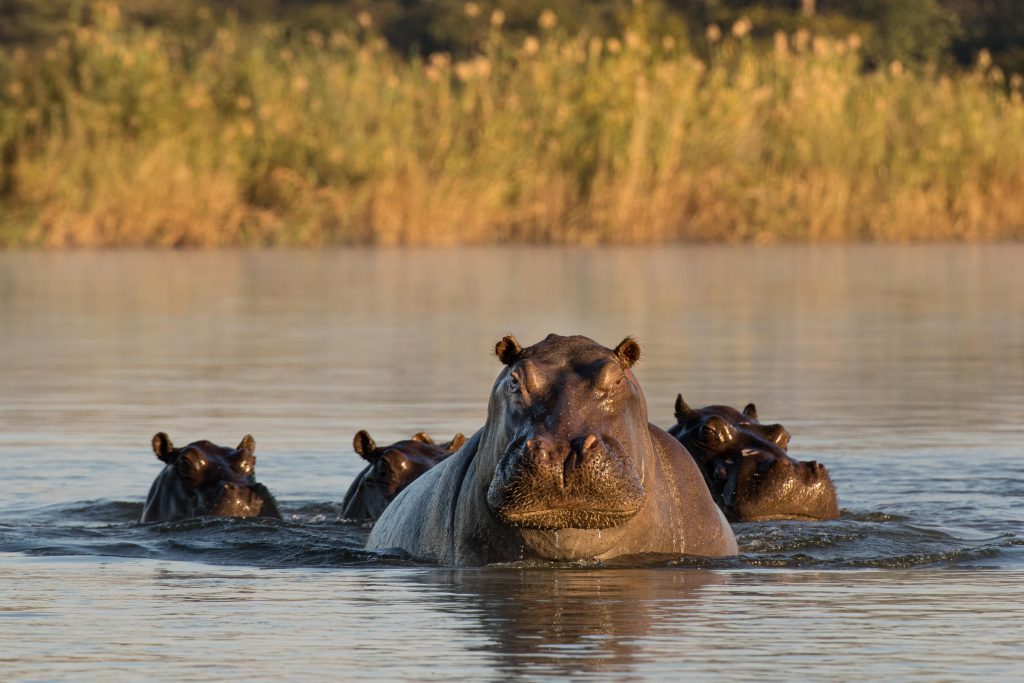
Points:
[902,369]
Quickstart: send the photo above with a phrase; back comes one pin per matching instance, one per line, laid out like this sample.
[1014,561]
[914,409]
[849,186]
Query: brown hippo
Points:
[206,479]
[390,470]
[745,465]
[775,433]
[566,467]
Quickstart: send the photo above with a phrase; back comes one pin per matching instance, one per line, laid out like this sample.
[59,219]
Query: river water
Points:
[900,368]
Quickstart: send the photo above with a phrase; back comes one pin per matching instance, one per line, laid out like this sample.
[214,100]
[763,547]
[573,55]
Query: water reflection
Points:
[567,622]
[900,368]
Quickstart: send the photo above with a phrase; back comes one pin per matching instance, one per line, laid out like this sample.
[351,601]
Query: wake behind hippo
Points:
[203,478]
[566,467]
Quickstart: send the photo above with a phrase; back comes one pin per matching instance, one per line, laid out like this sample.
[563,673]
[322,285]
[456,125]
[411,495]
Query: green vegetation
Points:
[140,132]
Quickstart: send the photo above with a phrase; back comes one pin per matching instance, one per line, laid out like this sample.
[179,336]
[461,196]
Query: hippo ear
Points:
[423,437]
[162,446]
[778,434]
[750,411]
[628,352]
[247,444]
[508,350]
[682,410]
[456,443]
[364,445]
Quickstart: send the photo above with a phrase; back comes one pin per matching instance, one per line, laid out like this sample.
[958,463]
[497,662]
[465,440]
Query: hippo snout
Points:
[562,460]
[584,482]
[238,500]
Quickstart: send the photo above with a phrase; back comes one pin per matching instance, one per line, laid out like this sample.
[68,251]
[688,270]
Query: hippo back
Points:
[419,522]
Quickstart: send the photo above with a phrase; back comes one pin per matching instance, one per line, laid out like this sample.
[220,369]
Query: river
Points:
[900,368]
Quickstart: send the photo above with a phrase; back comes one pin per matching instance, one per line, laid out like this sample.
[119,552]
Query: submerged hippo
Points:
[747,418]
[745,465]
[566,467]
[206,479]
[390,470]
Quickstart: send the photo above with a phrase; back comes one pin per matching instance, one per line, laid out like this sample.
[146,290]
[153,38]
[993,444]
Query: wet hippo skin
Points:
[203,478]
[747,468]
[566,467]
[389,470]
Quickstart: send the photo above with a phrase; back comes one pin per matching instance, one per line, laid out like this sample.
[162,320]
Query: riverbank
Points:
[121,135]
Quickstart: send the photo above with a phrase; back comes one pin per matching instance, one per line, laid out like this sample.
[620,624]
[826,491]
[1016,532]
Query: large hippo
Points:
[389,470]
[746,466]
[203,478]
[566,467]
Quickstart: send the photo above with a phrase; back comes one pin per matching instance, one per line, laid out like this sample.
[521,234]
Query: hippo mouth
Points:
[589,485]
[252,500]
[796,491]
[566,518]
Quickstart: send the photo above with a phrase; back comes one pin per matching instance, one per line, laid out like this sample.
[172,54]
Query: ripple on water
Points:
[311,536]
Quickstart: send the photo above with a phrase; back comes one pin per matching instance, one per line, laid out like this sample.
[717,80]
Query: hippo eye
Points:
[513,384]
[192,465]
[716,431]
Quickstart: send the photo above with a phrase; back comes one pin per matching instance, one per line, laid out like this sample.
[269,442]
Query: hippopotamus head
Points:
[775,433]
[203,478]
[750,475]
[572,421]
[390,469]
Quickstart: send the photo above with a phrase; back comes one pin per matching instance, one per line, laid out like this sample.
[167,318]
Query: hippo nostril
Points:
[581,445]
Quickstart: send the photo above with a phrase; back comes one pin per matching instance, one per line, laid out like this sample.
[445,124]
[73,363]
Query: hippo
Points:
[747,418]
[390,470]
[566,468]
[747,468]
[203,478]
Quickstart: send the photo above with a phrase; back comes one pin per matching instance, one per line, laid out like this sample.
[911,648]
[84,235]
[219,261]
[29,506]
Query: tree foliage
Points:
[911,31]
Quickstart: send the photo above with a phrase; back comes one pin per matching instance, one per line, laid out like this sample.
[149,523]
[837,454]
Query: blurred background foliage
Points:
[271,122]
[948,32]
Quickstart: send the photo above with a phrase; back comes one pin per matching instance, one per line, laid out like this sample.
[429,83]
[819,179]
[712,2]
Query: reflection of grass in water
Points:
[120,135]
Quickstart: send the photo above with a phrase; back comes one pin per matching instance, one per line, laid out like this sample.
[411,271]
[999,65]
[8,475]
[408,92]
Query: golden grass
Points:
[119,135]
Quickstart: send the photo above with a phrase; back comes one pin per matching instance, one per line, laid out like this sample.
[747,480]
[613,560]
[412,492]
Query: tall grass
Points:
[121,135]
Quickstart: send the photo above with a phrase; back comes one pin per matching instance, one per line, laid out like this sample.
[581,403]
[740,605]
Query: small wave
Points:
[310,535]
[872,516]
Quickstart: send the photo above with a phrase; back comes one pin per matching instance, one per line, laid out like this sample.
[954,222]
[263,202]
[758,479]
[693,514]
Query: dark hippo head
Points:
[744,463]
[747,419]
[203,478]
[573,420]
[390,469]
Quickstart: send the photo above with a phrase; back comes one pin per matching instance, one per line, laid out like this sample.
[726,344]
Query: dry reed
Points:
[119,135]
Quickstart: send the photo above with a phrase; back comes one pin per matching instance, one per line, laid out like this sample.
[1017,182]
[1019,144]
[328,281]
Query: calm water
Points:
[902,369]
